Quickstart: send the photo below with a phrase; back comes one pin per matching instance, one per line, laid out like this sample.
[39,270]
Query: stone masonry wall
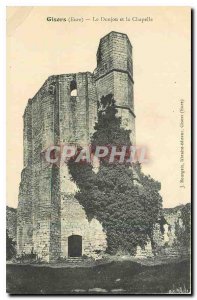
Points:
[114,74]
[48,212]
[74,222]
[78,115]
[35,209]
[56,118]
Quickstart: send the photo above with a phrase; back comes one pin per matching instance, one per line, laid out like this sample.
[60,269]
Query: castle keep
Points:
[50,222]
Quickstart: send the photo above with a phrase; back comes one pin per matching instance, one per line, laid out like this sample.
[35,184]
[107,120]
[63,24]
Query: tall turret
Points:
[114,74]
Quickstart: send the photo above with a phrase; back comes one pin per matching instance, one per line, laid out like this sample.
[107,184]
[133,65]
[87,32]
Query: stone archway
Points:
[75,246]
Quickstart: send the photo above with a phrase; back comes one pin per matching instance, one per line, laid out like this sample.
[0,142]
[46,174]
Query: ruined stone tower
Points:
[51,223]
[114,74]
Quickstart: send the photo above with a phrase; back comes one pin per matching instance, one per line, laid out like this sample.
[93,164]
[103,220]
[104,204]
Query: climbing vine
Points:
[127,211]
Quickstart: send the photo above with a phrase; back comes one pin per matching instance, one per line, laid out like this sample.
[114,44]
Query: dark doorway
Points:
[75,246]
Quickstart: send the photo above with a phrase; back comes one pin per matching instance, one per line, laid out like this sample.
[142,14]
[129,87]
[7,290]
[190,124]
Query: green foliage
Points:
[151,200]
[10,247]
[183,233]
[126,211]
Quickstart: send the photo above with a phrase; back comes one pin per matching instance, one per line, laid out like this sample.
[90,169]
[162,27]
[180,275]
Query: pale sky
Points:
[37,49]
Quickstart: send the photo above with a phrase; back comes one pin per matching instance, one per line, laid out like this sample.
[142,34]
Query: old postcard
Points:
[99,150]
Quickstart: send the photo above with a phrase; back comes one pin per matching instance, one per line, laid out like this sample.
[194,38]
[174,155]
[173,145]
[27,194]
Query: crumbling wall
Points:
[174,239]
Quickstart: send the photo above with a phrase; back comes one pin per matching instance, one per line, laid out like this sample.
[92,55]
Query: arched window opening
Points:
[73,88]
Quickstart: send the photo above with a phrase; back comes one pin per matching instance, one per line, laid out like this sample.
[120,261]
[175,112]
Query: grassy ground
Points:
[124,277]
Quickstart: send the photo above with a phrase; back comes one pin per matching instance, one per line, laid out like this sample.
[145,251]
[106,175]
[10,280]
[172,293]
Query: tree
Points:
[183,232]
[10,247]
[126,211]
